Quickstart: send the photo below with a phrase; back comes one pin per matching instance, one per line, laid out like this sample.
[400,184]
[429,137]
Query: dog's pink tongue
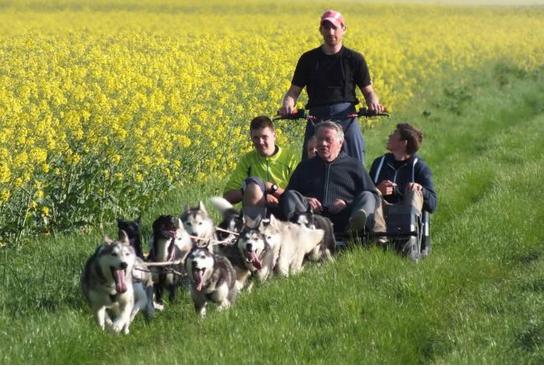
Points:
[255,260]
[198,278]
[120,285]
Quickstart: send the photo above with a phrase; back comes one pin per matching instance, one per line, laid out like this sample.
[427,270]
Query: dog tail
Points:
[221,204]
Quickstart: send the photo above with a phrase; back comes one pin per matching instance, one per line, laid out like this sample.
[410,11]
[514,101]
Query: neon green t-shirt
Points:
[276,169]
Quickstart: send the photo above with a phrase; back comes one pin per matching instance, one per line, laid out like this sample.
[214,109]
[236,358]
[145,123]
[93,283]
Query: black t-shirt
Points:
[331,78]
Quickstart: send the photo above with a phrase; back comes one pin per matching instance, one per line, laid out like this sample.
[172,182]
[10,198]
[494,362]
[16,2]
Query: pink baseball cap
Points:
[334,17]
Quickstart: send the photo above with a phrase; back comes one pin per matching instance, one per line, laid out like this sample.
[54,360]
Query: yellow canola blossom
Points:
[114,101]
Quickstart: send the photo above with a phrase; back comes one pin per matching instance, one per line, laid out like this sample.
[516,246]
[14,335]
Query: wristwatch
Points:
[273,189]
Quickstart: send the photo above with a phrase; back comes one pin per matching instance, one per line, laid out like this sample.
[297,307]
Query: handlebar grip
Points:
[299,114]
[367,113]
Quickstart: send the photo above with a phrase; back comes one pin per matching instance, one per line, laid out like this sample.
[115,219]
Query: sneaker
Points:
[357,221]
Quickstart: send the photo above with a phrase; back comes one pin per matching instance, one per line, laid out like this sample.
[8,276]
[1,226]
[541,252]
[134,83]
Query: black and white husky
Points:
[232,223]
[115,279]
[327,247]
[166,247]
[213,279]
[132,229]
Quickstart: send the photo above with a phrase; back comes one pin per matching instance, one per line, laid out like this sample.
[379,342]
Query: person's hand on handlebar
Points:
[286,110]
[376,108]
[289,101]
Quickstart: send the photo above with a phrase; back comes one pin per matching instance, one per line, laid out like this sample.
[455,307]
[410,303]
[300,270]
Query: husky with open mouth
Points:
[252,257]
[115,281]
[213,279]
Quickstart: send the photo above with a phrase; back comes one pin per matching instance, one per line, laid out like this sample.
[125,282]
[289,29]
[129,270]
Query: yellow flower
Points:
[4,195]
[5,173]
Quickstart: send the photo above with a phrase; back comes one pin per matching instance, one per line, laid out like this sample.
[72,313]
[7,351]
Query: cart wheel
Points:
[411,248]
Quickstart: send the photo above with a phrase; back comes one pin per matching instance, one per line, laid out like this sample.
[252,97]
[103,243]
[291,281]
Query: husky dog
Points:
[198,223]
[109,281]
[290,242]
[132,229]
[253,257]
[232,223]
[311,220]
[213,279]
[165,248]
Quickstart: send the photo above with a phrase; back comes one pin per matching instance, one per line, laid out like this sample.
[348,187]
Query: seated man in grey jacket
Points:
[333,184]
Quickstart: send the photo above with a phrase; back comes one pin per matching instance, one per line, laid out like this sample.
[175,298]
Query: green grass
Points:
[478,299]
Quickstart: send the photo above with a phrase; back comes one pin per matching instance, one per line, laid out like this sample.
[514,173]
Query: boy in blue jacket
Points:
[401,176]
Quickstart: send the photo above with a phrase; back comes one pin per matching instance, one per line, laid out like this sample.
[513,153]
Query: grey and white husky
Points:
[115,280]
[198,223]
[213,279]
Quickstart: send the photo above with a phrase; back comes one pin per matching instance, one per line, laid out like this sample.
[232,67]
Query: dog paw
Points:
[158,306]
[116,327]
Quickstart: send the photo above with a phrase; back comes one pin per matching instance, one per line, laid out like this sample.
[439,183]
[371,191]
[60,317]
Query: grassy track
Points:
[478,299]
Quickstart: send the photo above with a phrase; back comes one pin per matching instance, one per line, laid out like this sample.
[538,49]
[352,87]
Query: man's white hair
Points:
[329,124]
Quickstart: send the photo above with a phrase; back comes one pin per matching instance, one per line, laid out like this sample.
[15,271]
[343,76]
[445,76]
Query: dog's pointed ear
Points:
[123,237]
[119,221]
[107,240]
[258,221]
[202,207]
[138,220]
[187,208]
[245,218]
[178,223]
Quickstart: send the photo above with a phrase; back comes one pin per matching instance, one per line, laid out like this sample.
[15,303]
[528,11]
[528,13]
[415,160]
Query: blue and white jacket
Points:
[402,173]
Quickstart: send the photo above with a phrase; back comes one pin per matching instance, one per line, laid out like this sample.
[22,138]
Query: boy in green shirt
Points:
[262,174]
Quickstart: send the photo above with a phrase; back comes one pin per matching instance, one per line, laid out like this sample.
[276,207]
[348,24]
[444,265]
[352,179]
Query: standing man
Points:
[333,184]
[261,175]
[330,74]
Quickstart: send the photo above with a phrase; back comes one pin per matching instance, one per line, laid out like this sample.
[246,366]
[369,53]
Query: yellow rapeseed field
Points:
[104,103]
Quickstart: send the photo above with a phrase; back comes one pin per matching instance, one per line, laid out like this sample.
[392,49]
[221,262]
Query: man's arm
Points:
[290,100]
[371,99]
[425,180]
[233,188]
